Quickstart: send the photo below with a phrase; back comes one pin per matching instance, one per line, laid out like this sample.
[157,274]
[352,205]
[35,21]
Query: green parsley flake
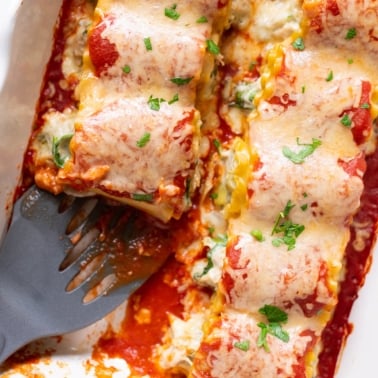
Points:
[346,120]
[257,234]
[273,329]
[126,69]
[350,61]
[143,140]
[220,242]
[181,80]
[175,98]
[172,12]
[212,47]
[217,144]
[273,314]
[60,149]
[154,103]
[329,76]
[245,93]
[300,156]
[202,20]
[275,318]
[351,33]
[365,105]
[288,230]
[147,43]
[145,197]
[304,207]
[213,195]
[298,44]
[242,345]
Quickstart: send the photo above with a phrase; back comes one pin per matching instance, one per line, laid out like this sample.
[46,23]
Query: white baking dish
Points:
[25,43]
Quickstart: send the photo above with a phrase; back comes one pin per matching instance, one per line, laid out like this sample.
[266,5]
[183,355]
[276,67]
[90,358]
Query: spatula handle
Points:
[20,318]
[15,332]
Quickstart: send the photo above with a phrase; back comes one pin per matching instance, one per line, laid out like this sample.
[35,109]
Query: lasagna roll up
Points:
[136,133]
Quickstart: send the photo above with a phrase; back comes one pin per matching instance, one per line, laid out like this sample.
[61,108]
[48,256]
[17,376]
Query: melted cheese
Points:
[299,102]
[121,167]
[283,359]
[138,80]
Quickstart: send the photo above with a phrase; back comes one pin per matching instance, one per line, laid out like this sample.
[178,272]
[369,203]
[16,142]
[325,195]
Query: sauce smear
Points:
[358,260]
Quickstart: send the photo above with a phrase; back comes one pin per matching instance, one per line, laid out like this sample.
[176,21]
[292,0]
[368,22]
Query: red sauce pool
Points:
[156,300]
[357,265]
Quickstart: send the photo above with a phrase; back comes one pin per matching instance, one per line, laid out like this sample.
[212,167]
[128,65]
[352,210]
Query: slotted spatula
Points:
[34,302]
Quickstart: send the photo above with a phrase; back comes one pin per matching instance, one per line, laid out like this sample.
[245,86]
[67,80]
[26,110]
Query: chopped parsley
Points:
[143,140]
[365,105]
[126,69]
[287,230]
[154,102]
[213,195]
[171,12]
[351,33]
[217,145]
[273,314]
[300,156]
[212,47]
[147,43]
[298,44]
[245,93]
[350,60]
[242,345]
[60,149]
[346,120]
[257,234]
[175,98]
[209,265]
[145,197]
[275,318]
[220,242]
[202,20]
[329,76]
[181,80]
[304,207]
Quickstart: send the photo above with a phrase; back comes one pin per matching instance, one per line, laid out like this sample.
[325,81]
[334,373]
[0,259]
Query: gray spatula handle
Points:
[16,331]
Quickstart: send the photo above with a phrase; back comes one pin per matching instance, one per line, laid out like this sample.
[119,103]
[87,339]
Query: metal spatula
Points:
[35,270]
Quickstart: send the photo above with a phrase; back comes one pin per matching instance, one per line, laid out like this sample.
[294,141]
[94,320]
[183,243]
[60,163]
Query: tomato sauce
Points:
[102,52]
[54,95]
[56,92]
[146,320]
[357,264]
